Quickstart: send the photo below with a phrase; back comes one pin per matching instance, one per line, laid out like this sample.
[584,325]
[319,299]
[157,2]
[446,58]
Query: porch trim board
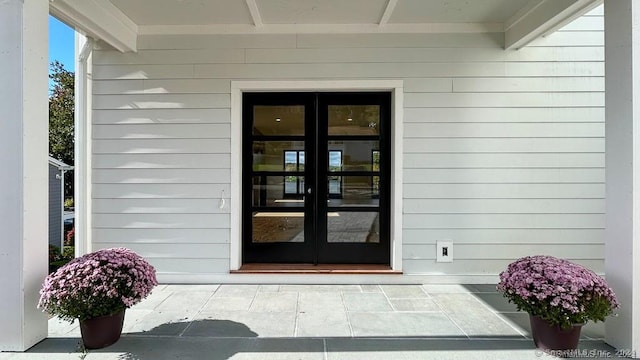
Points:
[354,269]
[82,144]
[385,28]
[397,105]
[99,19]
[541,18]
[622,245]
[325,279]
[24,180]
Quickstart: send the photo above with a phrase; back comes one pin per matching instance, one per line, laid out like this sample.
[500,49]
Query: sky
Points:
[61,43]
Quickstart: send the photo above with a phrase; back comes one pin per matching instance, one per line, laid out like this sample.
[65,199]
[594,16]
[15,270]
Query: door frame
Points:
[315,140]
[397,107]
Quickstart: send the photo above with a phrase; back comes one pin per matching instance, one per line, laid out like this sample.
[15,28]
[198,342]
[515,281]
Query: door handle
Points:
[309,191]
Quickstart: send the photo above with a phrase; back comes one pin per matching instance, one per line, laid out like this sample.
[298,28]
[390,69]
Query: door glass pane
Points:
[353,191]
[335,182]
[301,161]
[293,186]
[353,227]
[278,155]
[376,167]
[354,155]
[278,191]
[335,187]
[294,160]
[270,227]
[278,120]
[354,119]
[375,160]
[376,186]
[291,160]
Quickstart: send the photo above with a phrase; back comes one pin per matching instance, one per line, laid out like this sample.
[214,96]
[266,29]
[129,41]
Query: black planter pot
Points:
[101,331]
[548,337]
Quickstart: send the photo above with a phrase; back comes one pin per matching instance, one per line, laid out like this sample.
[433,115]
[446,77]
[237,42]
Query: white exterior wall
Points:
[503,150]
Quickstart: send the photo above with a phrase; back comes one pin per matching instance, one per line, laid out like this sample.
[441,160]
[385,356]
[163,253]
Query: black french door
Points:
[316,173]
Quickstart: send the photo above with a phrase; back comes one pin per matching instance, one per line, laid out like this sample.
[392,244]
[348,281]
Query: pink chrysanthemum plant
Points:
[101,283]
[559,291]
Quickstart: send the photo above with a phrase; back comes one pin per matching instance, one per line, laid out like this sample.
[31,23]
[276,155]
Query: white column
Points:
[24,176]
[622,250]
[82,143]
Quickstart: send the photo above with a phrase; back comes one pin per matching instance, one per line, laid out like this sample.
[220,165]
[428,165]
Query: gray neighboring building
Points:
[56,201]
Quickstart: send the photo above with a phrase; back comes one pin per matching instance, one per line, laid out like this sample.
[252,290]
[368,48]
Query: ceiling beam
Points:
[433,28]
[522,13]
[388,11]
[541,18]
[98,19]
[255,13]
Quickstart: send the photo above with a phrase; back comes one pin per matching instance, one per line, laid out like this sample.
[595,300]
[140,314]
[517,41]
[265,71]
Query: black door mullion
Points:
[321,174]
[311,178]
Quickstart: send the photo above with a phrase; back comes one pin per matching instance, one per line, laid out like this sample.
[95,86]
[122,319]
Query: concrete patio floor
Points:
[324,322]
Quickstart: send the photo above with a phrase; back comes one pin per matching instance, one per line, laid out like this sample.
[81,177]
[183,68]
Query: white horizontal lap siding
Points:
[510,166]
[503,150]
[162,161]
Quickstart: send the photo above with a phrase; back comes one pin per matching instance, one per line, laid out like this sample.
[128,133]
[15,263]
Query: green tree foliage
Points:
[61,107]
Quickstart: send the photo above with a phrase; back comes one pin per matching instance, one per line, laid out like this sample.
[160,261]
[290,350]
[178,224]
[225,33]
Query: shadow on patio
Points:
[316,322]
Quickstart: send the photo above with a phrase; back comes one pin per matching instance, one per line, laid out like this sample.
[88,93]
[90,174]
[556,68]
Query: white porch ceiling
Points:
[460,11]
[215,12]
[119,22]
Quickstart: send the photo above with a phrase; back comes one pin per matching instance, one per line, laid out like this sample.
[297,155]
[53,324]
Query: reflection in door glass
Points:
[355,155]
[353,227]
[375,166]
[272,191]
[291,161]
[293,184]
[278,120]
[274,155]
[357,191]
[270,227]
[294,160]
[335,165]
[354,120]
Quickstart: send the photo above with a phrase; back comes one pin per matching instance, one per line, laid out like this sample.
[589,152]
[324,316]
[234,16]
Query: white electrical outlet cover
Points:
[444,251]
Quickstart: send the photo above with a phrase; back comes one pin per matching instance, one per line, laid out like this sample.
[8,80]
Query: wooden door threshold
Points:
[259,268]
